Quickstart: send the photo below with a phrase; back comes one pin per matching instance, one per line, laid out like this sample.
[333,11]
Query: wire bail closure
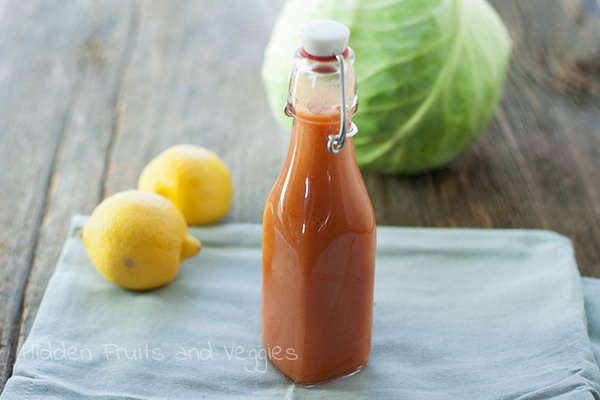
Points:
[336,142]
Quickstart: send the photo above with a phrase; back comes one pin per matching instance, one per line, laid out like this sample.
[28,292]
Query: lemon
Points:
[195,179]
[138,239]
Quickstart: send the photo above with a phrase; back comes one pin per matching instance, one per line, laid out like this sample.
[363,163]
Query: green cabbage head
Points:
[429,73]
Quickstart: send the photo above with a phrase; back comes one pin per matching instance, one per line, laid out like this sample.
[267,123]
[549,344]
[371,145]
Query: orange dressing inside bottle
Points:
[318,242]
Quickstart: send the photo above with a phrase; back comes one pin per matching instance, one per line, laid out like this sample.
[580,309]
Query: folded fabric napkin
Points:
[591,290]
[459,314]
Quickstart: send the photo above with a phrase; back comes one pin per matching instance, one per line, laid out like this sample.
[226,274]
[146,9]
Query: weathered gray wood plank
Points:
[80,165]
[59,61]
[31,72]
[193,81]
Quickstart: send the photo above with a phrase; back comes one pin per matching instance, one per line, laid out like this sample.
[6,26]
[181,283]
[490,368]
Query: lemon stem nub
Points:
[191,246]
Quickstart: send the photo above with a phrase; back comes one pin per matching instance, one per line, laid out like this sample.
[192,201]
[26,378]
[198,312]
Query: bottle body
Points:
[318,258]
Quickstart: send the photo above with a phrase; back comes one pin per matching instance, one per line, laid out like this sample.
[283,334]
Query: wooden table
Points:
[91,90]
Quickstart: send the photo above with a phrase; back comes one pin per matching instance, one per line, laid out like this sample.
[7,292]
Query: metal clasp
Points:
[336,142]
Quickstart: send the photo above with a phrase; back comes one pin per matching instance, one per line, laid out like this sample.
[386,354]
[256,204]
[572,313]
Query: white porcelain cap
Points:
[325,38]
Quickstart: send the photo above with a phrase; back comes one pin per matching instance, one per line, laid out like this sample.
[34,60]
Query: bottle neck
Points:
[314,99]
[315,85]
[308,144]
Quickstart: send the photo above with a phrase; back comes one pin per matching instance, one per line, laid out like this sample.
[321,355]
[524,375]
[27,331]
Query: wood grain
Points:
[87,134]
[90,91]
[56,92]
[192,82]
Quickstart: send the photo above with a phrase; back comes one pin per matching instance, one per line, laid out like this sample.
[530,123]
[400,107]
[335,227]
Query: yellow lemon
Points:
[138,239]
[195,179]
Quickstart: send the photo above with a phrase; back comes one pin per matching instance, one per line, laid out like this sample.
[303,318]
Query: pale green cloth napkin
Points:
[459,314]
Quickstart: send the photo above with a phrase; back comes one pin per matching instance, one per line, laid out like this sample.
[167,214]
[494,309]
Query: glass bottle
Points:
[319,225]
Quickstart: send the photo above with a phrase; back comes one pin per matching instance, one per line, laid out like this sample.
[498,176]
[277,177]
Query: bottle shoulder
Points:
[320,201]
